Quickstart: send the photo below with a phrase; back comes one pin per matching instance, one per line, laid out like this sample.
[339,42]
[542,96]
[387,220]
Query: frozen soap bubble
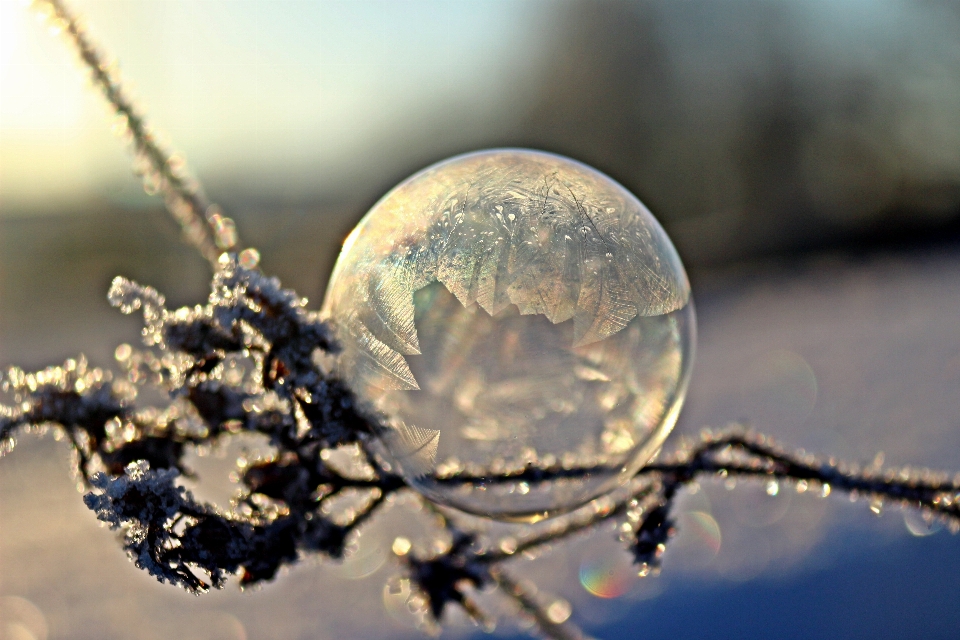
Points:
[510,309]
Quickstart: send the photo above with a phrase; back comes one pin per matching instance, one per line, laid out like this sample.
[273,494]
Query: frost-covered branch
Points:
[250,360]
[204,225]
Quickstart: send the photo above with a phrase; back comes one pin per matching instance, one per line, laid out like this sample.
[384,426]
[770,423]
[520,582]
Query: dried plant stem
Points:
[525,596]
[284,394]
[162,172]
[753,455]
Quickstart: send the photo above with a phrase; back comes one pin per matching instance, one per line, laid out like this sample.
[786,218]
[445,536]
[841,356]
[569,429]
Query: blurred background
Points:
[804,156]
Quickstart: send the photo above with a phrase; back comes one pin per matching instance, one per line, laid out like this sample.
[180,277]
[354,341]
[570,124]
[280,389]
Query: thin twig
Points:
[203,225]
[526,598]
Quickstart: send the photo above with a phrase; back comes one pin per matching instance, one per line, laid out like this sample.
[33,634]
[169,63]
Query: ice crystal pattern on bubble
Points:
[510,305]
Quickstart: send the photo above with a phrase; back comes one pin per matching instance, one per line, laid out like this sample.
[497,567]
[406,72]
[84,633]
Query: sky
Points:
[304,95]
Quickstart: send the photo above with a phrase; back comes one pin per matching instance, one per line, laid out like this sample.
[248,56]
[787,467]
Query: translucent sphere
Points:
[509,310]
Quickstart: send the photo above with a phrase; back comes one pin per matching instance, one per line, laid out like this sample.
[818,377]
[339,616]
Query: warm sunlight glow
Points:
[44,147]
[299,95]
[41,90]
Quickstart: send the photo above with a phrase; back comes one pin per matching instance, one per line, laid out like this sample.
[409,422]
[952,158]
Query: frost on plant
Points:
[252,359]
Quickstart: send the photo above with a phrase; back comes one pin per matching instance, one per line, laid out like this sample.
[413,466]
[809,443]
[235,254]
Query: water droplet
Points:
[224,228]
[249,258]
[123,352]
[559,611]
[508,546]
[773,488]
[401,546]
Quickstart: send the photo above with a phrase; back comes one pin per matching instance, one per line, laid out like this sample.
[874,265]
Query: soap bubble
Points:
[508,309]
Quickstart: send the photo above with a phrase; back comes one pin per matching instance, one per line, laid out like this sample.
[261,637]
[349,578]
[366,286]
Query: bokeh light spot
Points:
[607,578]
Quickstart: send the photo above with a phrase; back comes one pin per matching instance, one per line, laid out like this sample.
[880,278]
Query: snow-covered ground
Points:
[839,355]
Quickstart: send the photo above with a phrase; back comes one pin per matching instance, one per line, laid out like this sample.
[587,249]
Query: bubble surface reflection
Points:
[507,308]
